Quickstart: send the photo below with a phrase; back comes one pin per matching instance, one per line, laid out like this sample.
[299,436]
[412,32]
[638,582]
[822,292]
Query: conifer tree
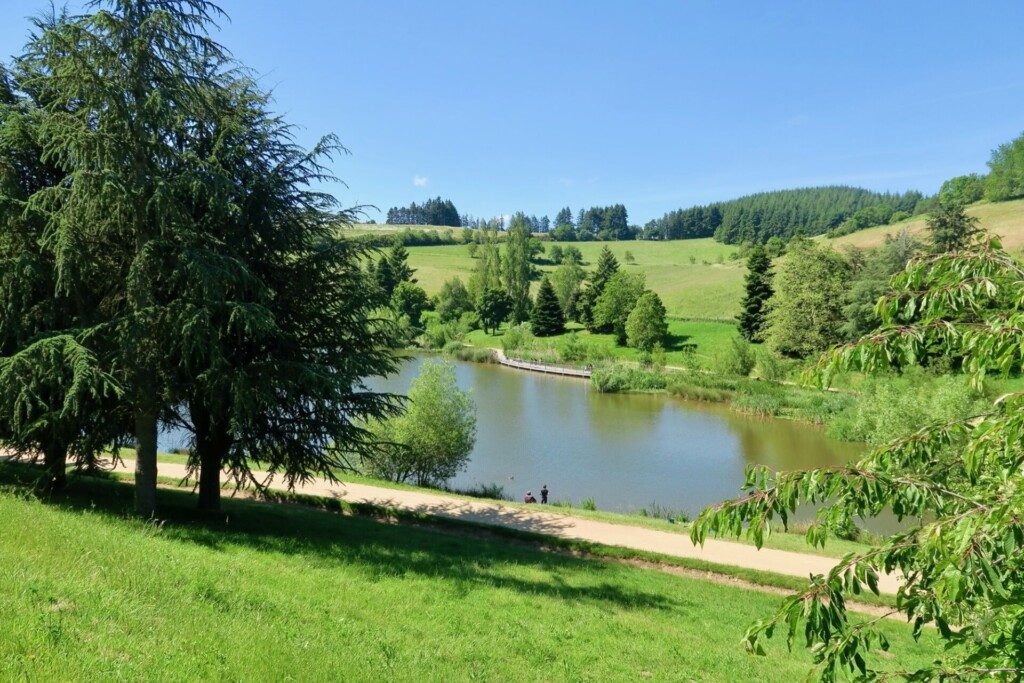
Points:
[950,228]
[547,318]
[758,290]
[123,93]
[607,266]
[55,399]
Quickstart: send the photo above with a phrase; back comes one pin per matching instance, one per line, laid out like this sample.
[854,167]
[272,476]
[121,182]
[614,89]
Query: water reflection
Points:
[625,451]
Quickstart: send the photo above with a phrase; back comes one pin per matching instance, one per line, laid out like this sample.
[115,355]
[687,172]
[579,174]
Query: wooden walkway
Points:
[540,367]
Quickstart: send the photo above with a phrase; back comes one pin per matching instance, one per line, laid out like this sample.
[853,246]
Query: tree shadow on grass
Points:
[380,548]
[679,342]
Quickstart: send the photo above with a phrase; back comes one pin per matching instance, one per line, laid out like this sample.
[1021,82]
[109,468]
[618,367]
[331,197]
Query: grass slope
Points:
[269,592]
[705,338]
[1005,219]
[702,289]
[705,289]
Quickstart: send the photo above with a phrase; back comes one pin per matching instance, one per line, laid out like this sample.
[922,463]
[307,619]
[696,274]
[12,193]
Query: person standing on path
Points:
[544,494]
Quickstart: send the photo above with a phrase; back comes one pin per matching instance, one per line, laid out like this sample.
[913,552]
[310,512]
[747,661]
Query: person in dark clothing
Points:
[528,498]
[544,494]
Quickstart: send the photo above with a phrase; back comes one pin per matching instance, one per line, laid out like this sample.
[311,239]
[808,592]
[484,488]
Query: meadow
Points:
[688,341]
[694,278]
[263,592]
[1005,219]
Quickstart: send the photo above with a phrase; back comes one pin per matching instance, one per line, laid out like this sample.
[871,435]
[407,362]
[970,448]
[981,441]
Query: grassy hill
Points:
[708,287]
[1005,219]
[695,278]
[268,592]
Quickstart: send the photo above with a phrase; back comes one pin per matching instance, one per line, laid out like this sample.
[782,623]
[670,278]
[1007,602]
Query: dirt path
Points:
[544,521]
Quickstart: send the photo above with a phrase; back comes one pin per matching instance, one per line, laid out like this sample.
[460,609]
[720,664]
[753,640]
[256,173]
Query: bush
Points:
[762,405]
[470,354]
[517,338]
[771,367]
[737,359]
[624,378]
[439,335]
[890,407]
[588,504]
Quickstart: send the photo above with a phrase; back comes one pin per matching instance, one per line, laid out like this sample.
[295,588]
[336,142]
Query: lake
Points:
[626,451]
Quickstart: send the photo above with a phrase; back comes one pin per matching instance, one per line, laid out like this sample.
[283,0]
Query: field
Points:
[702,338]
[708,288]
[696,279]
[1005,219]
[267,592]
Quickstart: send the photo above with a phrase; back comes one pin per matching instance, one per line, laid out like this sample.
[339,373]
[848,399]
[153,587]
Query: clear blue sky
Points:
[657,105]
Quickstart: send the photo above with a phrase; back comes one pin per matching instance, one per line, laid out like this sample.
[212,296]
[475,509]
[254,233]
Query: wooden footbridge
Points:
[547,368]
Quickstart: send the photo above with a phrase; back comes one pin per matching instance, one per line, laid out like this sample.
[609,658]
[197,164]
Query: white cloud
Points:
[420,180]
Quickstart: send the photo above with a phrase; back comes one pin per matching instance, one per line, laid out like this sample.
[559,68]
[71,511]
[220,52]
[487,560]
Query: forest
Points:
[435,211]
[784,213]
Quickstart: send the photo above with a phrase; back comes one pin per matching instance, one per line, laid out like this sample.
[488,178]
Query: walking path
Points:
[540,367]
[544,521]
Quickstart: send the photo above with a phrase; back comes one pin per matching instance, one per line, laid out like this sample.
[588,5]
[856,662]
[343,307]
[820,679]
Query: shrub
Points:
[517,338]
[588,504]
[890,407]
[737,358]
[470,354]
[771,367]
[623,379]
[762,405]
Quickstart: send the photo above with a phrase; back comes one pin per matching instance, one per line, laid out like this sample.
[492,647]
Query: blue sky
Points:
[657,105]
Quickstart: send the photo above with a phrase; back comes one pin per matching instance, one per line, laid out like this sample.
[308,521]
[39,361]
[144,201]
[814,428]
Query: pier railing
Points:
[535,366]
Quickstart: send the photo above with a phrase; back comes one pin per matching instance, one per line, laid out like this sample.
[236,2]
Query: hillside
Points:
[270,592]
[783,213]
[1005,219]
[708,287]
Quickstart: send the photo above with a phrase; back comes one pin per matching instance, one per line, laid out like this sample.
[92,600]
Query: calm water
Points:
[624,451]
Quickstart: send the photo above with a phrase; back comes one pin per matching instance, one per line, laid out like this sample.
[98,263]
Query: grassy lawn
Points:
[277,591]
[709,288]
[704,338]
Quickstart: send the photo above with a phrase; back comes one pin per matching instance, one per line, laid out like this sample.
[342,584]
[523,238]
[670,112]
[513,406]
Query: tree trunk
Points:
[212,443]
[55,458]
[145,463]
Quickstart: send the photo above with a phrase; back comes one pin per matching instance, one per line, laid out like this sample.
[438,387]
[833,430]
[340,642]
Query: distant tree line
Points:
[784,213]
[411,238]
[435,211]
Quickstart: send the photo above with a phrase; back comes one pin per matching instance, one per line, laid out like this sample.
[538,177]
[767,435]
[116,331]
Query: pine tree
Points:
[213,280]
[607,266]
[123,97]
[950,228]
[758,291]
[547,318]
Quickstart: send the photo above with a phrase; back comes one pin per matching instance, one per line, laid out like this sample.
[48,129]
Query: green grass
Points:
[685,337]
[711,287]
[276,591]
[691,290]
[1005,219]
